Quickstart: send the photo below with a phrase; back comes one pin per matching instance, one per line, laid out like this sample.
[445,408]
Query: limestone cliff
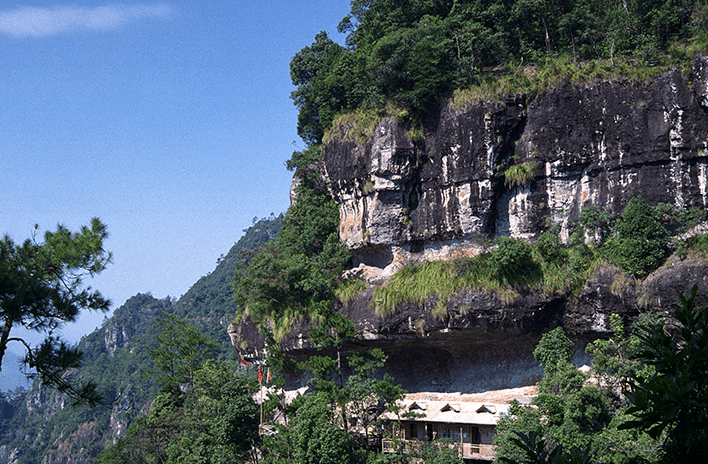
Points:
[596,144]
[405,200]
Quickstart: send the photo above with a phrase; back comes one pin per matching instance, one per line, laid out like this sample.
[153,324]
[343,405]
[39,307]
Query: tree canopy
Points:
[41,288]
[647,402]
[414,53]
[671,404]
[296,274]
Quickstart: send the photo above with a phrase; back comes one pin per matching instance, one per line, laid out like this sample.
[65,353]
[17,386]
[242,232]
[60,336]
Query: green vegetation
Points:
[204,411]
[508,267]
[333,422]
[648,404]
[671,404]
[570,417]
[348,289]
[42,288]
[215,421]
[180,351]
[295,275]
[640,244]
[117,357]
[314,434]
[694,246]
[414,54]
[358,125]
[416,282]
[637,243]
[518,175]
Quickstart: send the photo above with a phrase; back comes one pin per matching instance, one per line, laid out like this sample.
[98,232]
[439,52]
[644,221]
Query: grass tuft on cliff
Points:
[518,175]
[358,125]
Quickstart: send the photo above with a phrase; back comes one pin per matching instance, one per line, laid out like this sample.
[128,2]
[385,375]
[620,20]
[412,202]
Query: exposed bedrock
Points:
[483,343]
[597,144]
[441,197]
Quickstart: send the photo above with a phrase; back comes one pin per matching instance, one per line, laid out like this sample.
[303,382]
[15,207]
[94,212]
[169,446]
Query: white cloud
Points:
[49,21]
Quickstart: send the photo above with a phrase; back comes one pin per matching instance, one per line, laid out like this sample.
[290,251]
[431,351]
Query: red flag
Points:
[260,375]
[243,361]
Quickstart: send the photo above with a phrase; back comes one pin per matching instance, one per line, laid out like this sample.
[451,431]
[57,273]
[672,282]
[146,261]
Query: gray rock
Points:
[403,202]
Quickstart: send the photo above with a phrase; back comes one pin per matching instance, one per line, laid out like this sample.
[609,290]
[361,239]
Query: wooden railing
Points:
[478,451]
[401,446]
[468,451]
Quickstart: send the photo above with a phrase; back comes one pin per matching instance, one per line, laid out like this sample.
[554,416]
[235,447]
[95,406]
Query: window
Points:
[448,433]
[474,434]
[412,431]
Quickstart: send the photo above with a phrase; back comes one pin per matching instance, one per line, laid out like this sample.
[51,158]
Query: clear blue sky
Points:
[169,121]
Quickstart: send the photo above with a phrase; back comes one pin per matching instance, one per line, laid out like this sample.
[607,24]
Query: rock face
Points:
[404,200]
[483,342]
[591,145]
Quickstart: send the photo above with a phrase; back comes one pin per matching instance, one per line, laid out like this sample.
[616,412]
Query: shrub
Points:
[596,223]
[641,241]
[511,262]
[554,348]
[550,248]
[694,246]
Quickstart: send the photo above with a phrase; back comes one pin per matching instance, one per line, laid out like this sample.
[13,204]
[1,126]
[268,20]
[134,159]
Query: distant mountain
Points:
[116,356]
[12,377]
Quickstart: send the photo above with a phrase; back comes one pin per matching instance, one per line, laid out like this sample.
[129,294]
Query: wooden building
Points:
[467,426]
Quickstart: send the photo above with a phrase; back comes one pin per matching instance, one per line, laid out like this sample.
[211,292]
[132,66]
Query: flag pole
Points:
[260,383]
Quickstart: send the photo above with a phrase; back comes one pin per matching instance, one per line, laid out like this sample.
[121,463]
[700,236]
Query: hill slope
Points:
[117,357]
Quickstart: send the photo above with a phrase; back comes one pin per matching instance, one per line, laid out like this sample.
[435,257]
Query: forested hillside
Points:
[375,103]
[117,356]
[413,54]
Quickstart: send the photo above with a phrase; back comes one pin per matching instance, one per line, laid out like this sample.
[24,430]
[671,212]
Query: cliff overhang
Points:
[404,201]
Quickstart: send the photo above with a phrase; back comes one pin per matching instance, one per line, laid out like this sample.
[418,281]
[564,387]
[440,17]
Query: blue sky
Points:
[169,121]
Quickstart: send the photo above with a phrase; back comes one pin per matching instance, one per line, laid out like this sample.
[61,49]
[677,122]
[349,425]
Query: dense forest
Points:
[175,387]
[409,56]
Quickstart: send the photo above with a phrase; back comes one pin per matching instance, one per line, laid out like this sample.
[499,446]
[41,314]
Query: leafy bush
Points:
[553,348]
[511,262]
[640,244]
[672,404]
[550,247]
[696,246]
[596,223]
[323,85]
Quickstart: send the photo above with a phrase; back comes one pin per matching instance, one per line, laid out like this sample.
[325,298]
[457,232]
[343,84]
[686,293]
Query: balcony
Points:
[467,450]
